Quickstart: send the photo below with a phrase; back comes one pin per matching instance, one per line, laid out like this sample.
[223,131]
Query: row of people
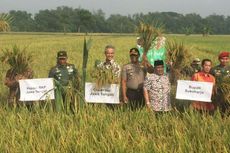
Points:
[138,87]
[63,72]
[154,88]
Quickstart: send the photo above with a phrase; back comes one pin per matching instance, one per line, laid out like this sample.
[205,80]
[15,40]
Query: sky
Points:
[124,7]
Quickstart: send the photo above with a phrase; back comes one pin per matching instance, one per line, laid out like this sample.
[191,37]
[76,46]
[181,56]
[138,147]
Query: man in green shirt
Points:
[223,69]
[220,71]
[64,73]
[194,67]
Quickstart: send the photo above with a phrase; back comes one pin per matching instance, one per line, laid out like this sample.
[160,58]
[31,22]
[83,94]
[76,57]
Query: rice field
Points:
[96,128]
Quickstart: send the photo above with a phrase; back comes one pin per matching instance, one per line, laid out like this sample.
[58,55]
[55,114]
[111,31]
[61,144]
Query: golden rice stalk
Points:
[224,86]
[5,20]
[149,34]
[178,54]
[103,77]
[18,59]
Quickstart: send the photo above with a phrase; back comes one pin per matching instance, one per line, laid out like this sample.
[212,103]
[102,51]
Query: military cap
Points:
[196,61]
[62,54]
[223,54]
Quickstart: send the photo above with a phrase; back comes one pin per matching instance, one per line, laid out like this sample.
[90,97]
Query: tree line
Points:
[67,19]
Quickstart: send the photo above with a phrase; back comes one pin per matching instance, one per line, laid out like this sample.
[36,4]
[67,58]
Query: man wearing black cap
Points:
[157,89]
[132,79]
[64,73]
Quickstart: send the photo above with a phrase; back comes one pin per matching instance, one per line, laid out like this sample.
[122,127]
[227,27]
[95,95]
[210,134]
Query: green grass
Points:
[95,128]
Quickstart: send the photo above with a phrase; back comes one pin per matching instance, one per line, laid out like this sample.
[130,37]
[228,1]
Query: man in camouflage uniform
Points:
[194,67]
[132,79]
[12,82]
[220,71]
[64,73]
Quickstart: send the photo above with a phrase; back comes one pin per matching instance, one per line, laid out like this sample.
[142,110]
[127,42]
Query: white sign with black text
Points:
[194,90]
[36,89]
[106,94]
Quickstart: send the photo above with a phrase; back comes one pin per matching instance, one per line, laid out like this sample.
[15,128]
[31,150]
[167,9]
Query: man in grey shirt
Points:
[132,79]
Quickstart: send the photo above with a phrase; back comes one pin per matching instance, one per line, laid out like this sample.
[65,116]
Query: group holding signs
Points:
[140,86]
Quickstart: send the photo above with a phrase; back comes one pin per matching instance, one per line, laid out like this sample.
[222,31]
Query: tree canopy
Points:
[67,19]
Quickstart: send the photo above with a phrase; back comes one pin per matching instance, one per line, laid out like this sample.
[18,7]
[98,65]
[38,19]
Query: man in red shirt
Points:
[204,76]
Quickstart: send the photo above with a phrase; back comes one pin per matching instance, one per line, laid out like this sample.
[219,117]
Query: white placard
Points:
[36,89]
[194,90]
[106,94]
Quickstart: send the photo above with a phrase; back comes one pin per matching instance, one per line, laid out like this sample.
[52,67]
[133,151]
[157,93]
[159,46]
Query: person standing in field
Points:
[108,70]
[157,89]
[139,42]
[109,63]
[204,76]
[220,71]
[157,51]
[19,61]
[194,67]
[12,82]
[65,74]
[132,79]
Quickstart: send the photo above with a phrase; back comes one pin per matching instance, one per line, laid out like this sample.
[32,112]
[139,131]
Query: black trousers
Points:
[136,98]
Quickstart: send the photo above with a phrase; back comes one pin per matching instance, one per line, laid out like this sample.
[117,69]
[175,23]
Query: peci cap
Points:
[62,54]
[223,54]
[134,51]
[158,62]
[196,61]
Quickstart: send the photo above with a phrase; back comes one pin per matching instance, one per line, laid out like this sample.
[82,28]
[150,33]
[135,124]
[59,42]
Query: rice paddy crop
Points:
[97,128]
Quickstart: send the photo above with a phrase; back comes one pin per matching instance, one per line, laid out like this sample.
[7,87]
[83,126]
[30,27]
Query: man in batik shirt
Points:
[157,89]
[109,62]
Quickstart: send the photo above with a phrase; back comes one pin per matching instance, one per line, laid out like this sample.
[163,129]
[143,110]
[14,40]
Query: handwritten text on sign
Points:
[36,89]
[106,94]
[194,90]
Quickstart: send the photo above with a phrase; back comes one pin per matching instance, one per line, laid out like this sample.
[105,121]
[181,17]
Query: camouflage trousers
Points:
[222,104]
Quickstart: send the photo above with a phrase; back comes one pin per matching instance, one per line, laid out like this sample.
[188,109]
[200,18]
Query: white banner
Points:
[36,89]
[194,90]
[107,94]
